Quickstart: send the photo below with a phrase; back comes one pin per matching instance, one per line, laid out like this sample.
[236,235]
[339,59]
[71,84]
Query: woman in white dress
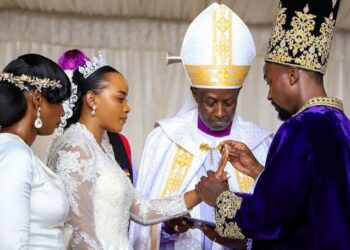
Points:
[102,198]
[33,204]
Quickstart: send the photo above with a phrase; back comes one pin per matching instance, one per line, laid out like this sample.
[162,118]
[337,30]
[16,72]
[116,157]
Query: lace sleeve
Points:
[152,211]
[75,164]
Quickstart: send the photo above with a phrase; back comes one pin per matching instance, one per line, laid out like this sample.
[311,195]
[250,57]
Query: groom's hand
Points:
[210,187]
[242,158]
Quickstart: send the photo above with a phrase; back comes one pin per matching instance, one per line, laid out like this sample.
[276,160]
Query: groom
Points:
[302,198]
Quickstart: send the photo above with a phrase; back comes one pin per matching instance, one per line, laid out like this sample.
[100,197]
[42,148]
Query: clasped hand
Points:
[241,157]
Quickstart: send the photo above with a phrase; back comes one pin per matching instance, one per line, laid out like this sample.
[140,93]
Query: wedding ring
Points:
[176,228]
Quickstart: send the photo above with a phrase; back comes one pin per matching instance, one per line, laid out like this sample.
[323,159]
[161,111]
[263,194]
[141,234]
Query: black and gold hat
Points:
[302,33]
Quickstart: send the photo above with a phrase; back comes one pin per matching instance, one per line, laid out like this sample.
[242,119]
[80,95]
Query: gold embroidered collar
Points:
[322,101]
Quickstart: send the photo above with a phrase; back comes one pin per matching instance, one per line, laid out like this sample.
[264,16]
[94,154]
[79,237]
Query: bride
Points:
[102,198]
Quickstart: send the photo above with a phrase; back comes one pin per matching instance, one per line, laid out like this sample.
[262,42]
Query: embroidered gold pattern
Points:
[217,75]
[245,182]
[278,33]
[298,46]
[179,168]
[322,101]
[178,171]
[226,208]
[222,36]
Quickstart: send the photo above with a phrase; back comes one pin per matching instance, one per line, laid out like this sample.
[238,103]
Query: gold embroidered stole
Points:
[176,176]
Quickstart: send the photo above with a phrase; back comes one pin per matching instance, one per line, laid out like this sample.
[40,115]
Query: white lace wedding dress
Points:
[102,198]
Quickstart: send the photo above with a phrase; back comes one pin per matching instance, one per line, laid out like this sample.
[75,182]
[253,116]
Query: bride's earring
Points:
[93,111]
[38,123]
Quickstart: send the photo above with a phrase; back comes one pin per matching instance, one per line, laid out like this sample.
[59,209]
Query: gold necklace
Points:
[322,101]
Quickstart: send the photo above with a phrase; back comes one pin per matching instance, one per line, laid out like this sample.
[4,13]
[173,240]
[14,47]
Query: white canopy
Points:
[251,11]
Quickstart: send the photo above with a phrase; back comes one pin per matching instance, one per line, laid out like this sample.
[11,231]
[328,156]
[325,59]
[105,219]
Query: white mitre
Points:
[218,49]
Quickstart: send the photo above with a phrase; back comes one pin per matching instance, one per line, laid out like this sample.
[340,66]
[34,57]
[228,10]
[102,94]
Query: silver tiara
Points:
[21,81]
[91,66]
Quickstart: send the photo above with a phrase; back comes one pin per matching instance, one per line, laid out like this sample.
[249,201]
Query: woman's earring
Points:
[38,123]
[93,111]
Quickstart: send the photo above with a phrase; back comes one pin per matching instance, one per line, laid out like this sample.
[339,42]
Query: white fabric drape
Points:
[135,47]
[251,11]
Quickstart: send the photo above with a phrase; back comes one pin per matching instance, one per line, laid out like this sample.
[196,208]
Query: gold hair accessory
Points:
[38,83]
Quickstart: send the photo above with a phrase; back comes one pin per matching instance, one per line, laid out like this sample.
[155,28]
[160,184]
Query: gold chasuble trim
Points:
[178,171]
[245,182]
[226,208]
[176,176]
[322,101]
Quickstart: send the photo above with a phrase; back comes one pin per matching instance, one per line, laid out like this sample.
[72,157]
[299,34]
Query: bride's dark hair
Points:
[94,82]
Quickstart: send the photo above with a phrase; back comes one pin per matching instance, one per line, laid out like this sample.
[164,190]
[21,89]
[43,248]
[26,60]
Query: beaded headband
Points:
[38,83]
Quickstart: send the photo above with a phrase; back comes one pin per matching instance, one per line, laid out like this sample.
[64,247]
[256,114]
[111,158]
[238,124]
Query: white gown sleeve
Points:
[15,190]
[73,164]
[152,211]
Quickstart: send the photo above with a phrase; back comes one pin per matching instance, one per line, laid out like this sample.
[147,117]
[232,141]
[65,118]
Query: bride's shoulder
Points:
[74,139]
[74,133]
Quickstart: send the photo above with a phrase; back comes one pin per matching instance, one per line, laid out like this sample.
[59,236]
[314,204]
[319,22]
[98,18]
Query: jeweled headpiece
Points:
[69,61]
[23,81]
[218,49]
[302,33]
[91,66]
